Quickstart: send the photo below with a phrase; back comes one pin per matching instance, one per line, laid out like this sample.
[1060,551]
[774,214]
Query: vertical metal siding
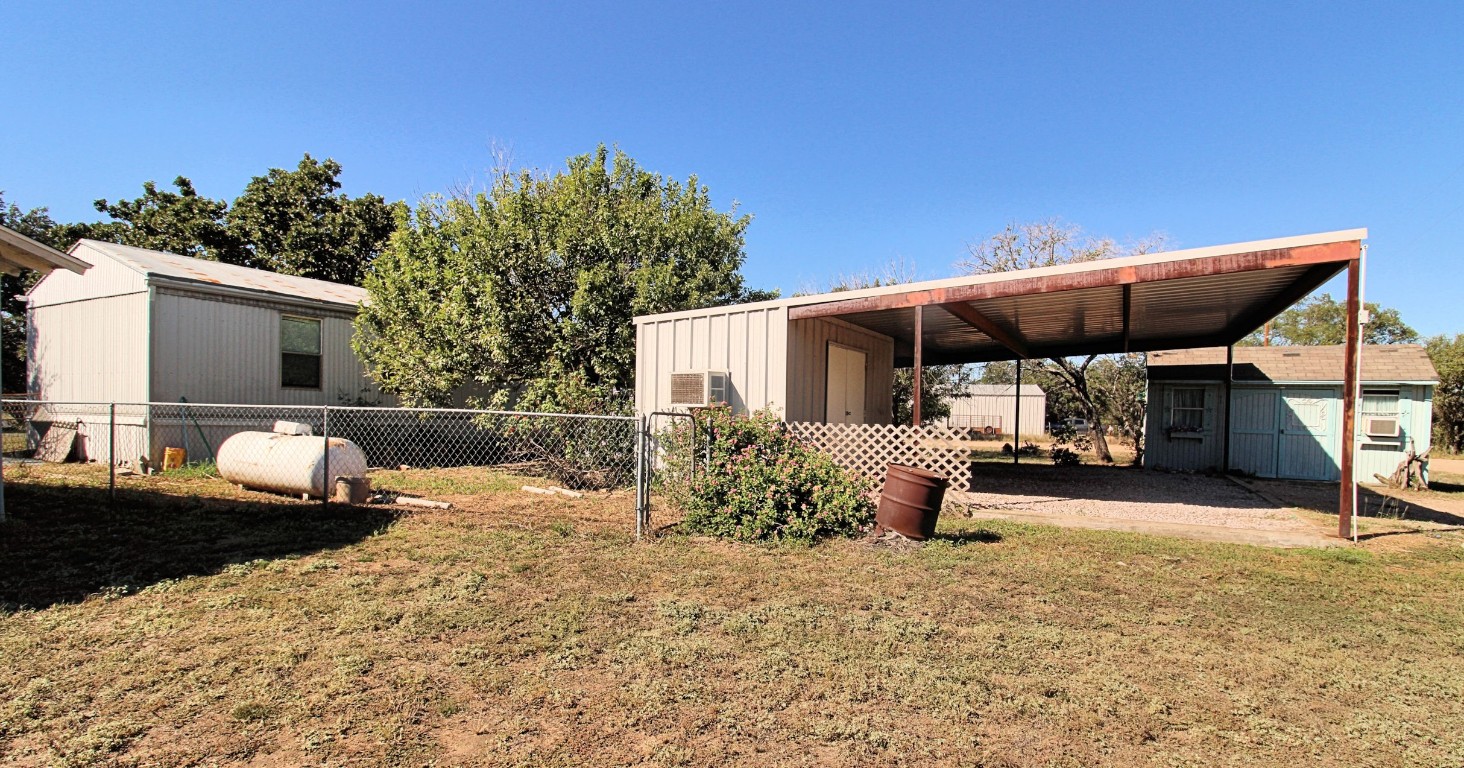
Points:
[93,350]
[1184,453]
[223,352]
[105,278]
[1034,410]
[807,363]
[749,344]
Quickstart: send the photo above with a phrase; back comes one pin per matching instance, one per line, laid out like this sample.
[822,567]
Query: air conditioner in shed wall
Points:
[699,389]
[1381,426]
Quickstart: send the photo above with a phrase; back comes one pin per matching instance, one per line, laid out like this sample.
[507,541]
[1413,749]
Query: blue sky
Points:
[855,133]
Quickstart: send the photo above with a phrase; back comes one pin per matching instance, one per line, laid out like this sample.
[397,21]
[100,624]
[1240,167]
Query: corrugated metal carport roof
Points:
[1179,299]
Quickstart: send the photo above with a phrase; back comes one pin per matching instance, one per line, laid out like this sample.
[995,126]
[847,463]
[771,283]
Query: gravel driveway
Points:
[1121,493]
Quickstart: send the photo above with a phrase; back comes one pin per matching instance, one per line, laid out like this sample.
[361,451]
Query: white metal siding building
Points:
[145,326]
[995,405]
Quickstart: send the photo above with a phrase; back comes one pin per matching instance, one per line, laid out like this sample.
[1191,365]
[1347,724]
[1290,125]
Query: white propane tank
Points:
[292,464]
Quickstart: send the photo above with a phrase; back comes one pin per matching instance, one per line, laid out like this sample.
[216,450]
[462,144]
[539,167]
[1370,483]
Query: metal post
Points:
[1017,422]
[640,490]
[1347,496]
[112,452]
[1229,384]
[325,428]
[919,367]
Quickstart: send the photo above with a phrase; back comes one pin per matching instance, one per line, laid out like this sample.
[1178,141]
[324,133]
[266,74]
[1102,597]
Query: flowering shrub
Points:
[761,483]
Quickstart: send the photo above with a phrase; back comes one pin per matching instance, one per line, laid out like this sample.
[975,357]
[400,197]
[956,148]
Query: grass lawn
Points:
[195,624]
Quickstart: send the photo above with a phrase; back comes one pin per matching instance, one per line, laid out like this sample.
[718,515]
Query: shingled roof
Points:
[1391,363]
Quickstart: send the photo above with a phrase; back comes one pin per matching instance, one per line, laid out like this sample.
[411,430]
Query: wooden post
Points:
[1017,427]
[1349,403]
[919,367]
[1229,383]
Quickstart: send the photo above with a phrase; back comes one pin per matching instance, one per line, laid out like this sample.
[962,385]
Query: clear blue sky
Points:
[854,133]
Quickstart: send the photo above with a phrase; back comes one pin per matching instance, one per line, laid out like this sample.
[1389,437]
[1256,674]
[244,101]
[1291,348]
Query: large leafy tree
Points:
[525,292]
[297,223]
[1447,355]
[1320,319]
[1050,243]
[182,222]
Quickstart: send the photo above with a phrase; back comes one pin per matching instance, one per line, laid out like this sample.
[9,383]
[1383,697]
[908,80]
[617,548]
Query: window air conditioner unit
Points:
[699,389]
[1381,426]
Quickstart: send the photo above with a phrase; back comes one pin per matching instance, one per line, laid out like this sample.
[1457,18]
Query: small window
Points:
[299,353]
[1187,409]
[1380,402]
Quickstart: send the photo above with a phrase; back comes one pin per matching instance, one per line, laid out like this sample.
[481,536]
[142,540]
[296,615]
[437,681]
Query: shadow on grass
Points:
[62,544]
[976,536]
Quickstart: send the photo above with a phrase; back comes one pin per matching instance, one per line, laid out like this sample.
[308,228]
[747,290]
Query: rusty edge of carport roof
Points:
[941,287]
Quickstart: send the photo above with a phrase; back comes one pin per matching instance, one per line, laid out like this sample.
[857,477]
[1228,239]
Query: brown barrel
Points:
[910,503]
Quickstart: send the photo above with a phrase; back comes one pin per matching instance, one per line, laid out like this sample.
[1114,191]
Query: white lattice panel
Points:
[867,449]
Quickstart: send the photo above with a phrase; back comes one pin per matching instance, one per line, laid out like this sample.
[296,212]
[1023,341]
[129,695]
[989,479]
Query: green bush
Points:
[761,483]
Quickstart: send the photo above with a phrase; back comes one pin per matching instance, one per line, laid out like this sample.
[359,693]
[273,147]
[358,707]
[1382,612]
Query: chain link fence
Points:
[321,452]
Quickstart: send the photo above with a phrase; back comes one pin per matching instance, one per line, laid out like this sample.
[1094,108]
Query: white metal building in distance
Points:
[992,409]
[146,326]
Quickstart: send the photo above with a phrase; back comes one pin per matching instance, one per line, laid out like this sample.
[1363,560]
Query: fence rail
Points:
[301,450]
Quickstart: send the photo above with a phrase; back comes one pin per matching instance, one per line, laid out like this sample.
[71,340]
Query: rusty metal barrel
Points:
[910,502]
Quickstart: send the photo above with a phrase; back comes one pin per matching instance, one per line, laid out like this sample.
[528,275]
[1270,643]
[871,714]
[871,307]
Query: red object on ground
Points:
[910,503]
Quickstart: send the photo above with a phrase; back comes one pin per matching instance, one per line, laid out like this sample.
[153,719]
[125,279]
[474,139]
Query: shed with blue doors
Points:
[1285,410]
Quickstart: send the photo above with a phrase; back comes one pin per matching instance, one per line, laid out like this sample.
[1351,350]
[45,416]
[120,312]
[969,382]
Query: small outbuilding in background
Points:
[1285,413]
[991,409]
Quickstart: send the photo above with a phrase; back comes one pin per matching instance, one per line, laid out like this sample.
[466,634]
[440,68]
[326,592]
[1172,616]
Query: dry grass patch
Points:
[191,629]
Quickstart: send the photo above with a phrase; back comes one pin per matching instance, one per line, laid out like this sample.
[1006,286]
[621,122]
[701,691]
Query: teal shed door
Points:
[1253,431]
[1308,422]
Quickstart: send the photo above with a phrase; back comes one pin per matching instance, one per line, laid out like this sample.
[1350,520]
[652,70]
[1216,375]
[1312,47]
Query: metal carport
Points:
[1202,297]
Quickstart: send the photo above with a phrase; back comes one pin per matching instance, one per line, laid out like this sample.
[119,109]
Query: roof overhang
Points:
[18,252]
[1201,297]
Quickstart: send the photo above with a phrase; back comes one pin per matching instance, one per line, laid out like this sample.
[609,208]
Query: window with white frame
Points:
[300,352]
[1379,416]
[1187,409]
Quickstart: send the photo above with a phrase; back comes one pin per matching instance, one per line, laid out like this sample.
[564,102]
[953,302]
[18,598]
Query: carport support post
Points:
[919,367]
[1229,382]
[1348,485]
[1017,421]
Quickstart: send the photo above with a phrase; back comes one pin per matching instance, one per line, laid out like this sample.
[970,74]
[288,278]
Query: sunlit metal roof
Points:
[1199,297]
[205,273]
[18,252]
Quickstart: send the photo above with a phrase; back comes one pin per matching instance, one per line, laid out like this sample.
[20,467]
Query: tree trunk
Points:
[1076,379]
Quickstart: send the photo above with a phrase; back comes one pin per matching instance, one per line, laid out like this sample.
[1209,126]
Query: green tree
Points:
[1051,243]
[182,222]
[296,223]
[1320,319]
[1448,402]
[526,292]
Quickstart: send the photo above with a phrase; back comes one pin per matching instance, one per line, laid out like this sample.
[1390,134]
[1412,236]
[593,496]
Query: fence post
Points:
[640,476]
[325,467]
[112,452]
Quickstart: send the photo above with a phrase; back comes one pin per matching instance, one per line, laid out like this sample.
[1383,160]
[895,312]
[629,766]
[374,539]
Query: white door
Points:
[844,400]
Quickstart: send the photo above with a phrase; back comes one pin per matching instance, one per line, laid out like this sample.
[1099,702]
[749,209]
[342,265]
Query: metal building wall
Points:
[808,342]
[105,278]
[1034,410]
[216,350]
[90,350]
[750,342]
[1186,453]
